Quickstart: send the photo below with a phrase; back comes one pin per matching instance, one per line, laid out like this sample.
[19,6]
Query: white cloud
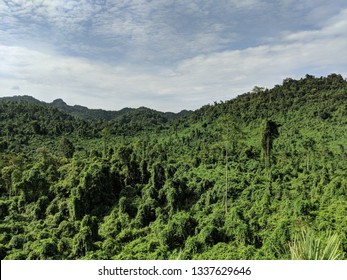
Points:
[236,71]
[201,74]
[159,32]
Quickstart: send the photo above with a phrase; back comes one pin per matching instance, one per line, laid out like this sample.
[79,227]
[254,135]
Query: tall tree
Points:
[309,145]
[231,133]
[270,133]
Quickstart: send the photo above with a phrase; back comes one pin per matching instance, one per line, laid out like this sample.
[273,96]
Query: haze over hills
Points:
[261,176]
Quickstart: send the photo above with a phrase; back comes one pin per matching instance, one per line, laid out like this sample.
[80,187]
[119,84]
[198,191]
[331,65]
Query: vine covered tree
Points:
[270,133]
[66,147]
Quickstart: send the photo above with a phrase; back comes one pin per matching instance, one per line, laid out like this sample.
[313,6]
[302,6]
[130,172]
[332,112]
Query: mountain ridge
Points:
[86,113]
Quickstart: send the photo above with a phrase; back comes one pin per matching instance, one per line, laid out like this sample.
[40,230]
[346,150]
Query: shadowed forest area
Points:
[261,176]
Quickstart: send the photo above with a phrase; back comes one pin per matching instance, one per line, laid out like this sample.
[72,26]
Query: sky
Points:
[164,54]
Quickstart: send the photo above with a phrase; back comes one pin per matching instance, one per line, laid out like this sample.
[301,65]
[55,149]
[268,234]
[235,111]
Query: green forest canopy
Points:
[261,176]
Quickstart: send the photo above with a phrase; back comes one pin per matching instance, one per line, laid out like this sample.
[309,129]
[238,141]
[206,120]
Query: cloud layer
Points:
[167,55]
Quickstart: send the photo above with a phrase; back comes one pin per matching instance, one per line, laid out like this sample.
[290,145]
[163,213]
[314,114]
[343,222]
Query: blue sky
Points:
[166,55]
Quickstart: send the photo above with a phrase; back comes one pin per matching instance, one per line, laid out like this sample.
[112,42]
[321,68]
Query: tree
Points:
[105,137]
[309,145]
[66,147]
[270,133]
[257,89]
[230,135]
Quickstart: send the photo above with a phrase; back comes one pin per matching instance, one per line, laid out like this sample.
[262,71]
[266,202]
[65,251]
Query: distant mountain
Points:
[21,98]
[85,113]
[99,114]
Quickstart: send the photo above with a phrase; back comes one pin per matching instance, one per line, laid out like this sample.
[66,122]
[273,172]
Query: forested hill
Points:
[318,97]
[261,176]
[99,114]
[85,113]
[25,115]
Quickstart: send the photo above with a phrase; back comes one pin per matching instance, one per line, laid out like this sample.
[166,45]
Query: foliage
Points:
[232,180]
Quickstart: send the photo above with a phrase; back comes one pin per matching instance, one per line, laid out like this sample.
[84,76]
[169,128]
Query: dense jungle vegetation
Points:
[261,176]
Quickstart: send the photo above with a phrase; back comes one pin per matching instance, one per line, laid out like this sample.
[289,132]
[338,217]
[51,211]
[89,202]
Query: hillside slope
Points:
[127,121]
[241,179]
